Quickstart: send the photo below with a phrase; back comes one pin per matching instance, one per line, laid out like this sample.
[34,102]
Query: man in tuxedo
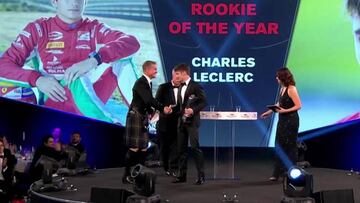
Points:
[168,124]
[143,104]
[7,166]
[193,100]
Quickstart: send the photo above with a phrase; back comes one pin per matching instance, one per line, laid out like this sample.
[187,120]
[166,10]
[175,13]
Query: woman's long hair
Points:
[285,77]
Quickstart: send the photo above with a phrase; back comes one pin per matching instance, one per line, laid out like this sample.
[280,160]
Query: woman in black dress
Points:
[288,124]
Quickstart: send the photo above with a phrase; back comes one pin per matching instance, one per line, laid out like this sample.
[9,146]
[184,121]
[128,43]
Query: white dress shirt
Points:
[148,79]
[183,89]
[175,91]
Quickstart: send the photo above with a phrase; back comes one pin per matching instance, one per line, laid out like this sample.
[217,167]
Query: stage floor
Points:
[252,185]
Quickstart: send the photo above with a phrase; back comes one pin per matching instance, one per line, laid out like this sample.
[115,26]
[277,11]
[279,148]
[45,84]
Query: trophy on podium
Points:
[189,103]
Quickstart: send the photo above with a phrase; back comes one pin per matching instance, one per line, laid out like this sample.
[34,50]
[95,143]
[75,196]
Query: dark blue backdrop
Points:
[269,51]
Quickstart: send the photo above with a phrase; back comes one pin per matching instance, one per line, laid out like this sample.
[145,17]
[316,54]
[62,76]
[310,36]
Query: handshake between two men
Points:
[188,112]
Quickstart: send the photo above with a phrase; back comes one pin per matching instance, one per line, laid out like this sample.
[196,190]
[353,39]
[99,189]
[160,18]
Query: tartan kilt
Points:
[136,130]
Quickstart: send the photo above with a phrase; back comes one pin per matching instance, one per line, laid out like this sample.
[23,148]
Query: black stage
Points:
[252,185]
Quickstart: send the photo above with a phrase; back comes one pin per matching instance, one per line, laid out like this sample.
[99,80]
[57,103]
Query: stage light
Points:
[48,183]
[47,172]
[149,145]
[144,180]
[48,165]
[298,183]
[294,173]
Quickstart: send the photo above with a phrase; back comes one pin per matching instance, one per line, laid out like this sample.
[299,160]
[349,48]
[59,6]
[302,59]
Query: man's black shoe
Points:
[179,180]
[173,174]
[200,181]
[127,180]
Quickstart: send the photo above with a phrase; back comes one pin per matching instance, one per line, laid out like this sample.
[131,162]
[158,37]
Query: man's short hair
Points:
[147,64]
[75,132]
[46,138]
[182,67]
[353,7]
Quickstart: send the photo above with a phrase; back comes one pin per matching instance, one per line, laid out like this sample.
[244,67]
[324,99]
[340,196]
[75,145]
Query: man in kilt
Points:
[143,104]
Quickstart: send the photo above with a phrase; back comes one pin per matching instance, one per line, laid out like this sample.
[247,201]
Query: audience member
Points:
[75,142]
[7,165]
[47,149]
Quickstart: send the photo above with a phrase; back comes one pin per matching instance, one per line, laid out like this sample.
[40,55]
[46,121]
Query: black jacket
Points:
[143,99]
[78,147]
[200,103]
[165,95]
[8,170]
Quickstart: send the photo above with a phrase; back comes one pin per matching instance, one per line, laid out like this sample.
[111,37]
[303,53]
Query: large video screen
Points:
[103,93]
[323,59]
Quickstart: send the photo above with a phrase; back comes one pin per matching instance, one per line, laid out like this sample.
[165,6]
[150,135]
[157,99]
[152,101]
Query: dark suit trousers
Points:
[168,149]
[191,132]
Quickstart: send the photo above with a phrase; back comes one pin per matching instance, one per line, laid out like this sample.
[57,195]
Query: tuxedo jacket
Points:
[198,105]
[165,95]
[8,170]
[143,99]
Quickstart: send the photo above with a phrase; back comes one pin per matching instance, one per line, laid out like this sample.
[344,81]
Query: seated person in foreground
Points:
[47,149]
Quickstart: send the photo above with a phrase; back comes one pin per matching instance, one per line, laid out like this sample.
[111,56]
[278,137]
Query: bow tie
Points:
[175,87]
[1,156]
[183,83]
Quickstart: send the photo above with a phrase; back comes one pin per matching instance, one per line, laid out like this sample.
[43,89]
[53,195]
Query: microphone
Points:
[188,104]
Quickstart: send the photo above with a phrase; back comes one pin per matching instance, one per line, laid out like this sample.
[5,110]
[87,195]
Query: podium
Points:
[224,156]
